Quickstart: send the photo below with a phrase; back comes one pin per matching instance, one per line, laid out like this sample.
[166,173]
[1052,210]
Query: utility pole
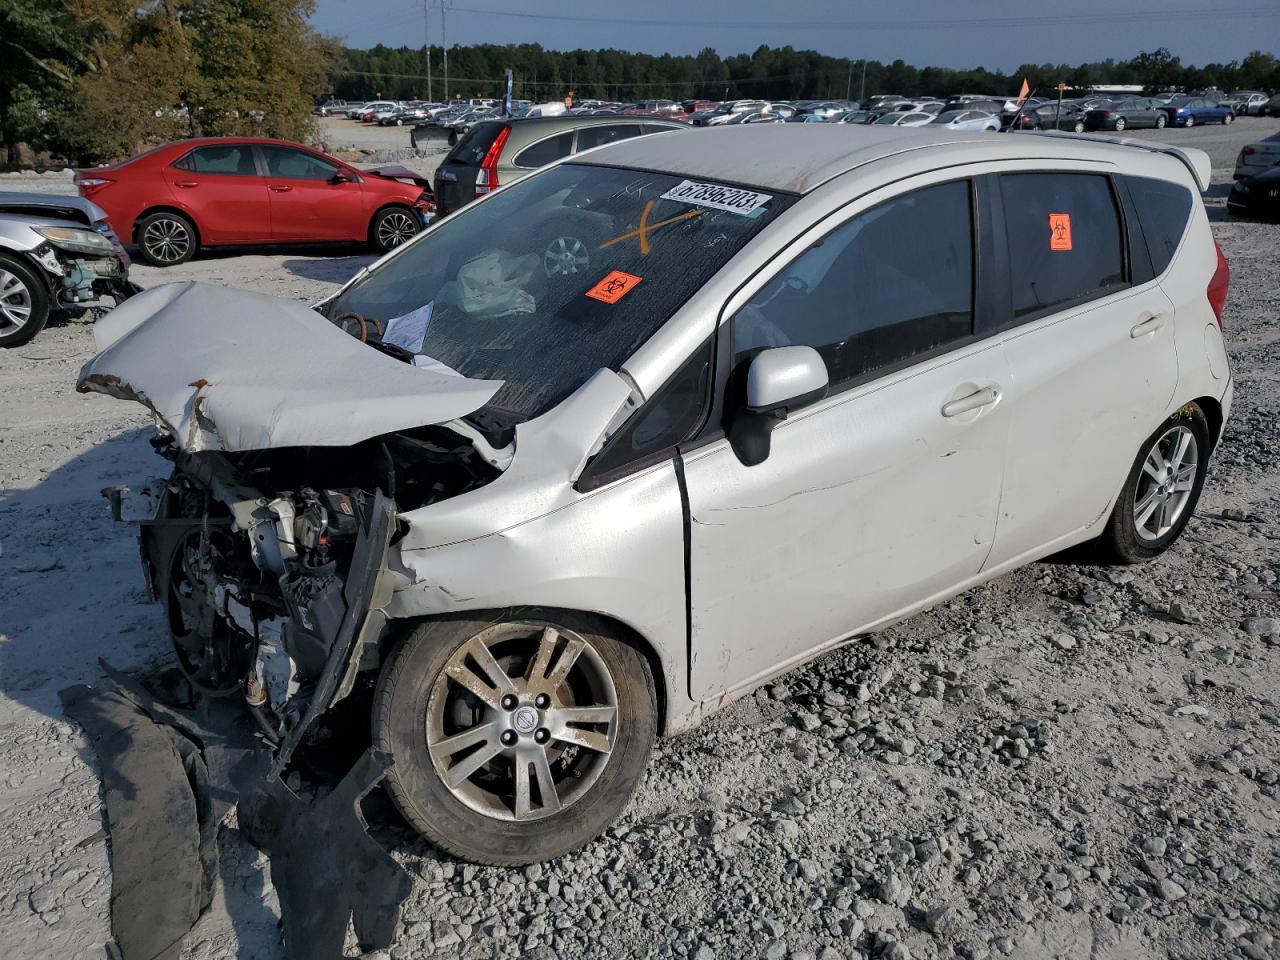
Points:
[848,84]
[444,40]
[862,90]
[426,33]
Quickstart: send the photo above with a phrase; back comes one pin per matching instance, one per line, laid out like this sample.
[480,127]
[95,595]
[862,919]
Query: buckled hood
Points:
[227,370]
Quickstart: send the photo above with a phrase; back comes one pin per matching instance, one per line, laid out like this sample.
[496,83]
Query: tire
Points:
[1161,120]
[1079,126]
[569,247]
[392,226]
[1228,119]
[24,302]
[418,698]
[1122,541]
[1191,121]
[1120,124]
[166,239]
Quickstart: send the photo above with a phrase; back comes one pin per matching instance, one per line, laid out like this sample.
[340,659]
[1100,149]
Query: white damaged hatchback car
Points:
[626,439]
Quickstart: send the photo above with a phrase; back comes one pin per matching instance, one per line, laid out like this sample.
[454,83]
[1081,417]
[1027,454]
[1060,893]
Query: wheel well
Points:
[1213,413]
[165,208]
[581,619]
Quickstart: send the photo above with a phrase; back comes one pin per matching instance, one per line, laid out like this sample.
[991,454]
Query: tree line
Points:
[770,73]
[90,80]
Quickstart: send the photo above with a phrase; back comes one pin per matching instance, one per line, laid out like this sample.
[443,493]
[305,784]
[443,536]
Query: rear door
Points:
[220,186]
[307,202]
[1091,356]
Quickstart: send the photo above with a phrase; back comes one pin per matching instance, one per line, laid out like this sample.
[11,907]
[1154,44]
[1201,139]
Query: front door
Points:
[307,203]
[878,497]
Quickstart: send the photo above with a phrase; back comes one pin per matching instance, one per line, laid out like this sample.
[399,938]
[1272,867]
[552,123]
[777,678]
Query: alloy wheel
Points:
[1167,481]
[167,240]
[15,303]
[521,721]
[565,256]
[395,228]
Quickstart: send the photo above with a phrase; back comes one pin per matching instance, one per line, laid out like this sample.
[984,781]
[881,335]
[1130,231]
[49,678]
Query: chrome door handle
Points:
[1147,326]
[979,398]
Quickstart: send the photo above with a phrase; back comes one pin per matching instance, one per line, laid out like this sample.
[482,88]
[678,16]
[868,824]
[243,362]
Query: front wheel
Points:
[1120,124]
[1162,489]
[516,741]
[1191,121]
[1161,120]
[392,227]
[1079,127]
[1228,118]
[24,302]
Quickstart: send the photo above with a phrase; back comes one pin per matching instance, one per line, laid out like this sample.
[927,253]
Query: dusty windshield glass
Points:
[563,274]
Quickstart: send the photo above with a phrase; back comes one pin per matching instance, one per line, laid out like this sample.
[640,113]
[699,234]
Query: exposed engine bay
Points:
[271,564]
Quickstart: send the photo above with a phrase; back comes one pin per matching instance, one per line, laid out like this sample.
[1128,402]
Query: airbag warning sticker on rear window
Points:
[613,287]
[1059,231]
[718,197]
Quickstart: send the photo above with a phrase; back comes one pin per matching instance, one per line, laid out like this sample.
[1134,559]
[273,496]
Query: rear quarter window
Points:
[1164,210]
[545,151]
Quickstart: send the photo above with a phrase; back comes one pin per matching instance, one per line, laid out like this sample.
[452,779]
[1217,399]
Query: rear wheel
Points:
[1162,489]
[24,302]
[166,238]
[392,227]
[1161,120]
[515,741]
[1191,121]
[1120,124]
[1079,127]
[1228,118]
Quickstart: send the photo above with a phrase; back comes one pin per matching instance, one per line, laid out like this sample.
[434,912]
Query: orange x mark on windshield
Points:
[647,228]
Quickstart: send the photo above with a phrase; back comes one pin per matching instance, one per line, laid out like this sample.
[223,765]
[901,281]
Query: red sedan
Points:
[228,191]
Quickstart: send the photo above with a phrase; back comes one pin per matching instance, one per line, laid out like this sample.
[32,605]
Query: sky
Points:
[1000,34]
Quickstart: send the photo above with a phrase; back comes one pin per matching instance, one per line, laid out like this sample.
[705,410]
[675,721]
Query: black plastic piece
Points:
[316,609]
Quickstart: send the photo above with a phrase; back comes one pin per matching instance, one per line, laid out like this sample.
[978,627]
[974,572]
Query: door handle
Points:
[187,183]
[1146,326]
[979,398]
[279,188]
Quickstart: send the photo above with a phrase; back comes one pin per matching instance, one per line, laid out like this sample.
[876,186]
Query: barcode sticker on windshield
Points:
[718,197]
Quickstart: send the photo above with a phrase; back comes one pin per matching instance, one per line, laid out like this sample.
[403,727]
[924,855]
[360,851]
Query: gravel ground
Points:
[1069,762]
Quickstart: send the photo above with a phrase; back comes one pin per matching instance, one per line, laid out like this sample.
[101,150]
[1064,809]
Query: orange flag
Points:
[1025,91]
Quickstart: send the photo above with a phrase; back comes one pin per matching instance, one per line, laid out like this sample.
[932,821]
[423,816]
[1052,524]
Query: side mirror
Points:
[779,380]
[342,177]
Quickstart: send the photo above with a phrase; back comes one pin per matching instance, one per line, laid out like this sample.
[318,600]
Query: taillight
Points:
[1217,291]
[1105,114]
[487,176]
[1248,152]
[90,185]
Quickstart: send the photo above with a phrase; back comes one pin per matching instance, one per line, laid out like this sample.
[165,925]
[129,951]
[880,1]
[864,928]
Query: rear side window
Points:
[475,143]
[892,284]
[545,151]
[233,159]
[1064,237]
[589,137]
[1164,210]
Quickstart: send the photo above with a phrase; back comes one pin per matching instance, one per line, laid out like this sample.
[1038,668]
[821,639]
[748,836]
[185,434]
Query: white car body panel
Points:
[1260,156]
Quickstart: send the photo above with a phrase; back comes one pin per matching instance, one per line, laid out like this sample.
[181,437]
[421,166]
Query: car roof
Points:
[798,158]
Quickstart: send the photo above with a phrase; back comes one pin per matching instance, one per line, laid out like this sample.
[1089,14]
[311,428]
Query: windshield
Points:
[567,272]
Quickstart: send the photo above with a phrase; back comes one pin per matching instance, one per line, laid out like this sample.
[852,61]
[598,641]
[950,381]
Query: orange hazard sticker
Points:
[613,287]
[1059,231]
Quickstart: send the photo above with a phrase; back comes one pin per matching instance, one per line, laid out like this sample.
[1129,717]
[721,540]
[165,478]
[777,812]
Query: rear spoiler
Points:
[1196,161]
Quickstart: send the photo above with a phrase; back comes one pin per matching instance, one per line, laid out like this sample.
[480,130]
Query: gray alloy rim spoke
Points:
[167,240]
[396,228]
[564,256]
[15,302]
[538,712]
[1165,484]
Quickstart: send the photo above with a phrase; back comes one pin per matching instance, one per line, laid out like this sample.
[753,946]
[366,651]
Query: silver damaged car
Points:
[630,437]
